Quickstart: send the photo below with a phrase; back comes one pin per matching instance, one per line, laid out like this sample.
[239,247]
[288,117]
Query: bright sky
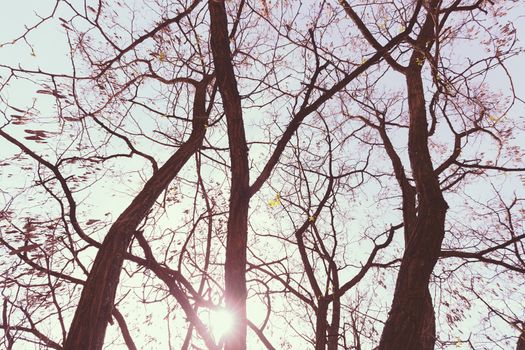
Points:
[49,53]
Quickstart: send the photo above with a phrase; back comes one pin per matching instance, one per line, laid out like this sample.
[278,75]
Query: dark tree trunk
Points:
[428,327]
[408,194]
[410,325]
[521,339]
[411,322]
[235,263]
[321,325]
[333,330]
[95,307]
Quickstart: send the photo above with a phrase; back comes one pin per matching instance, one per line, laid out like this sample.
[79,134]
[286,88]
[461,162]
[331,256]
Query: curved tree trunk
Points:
[95,307]
[408,194]
[411,324]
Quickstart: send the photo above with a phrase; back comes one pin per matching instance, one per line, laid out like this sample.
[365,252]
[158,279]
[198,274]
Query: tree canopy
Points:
[187,174]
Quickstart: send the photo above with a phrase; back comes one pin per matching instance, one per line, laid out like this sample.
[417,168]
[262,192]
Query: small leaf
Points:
[36,135]
[275,201]
[51,92]
[19,119]
[23,249]
[495,119]
[44,92]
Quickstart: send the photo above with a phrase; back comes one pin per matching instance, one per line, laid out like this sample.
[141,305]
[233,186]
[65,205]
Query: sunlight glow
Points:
[221,322]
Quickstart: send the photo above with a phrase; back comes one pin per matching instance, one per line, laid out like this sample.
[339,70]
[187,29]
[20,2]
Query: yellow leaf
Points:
[311,218]
[495,119]
[458,342]
[162,56]
[275,201]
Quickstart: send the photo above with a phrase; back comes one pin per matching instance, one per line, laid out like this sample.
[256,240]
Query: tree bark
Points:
[410,325]
[321,325]
[411,322]
[95,307]
[235,262]
[521,339]
[333,330]
[408,194]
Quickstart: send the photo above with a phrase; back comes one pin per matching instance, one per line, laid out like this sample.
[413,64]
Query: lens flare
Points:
[221,322]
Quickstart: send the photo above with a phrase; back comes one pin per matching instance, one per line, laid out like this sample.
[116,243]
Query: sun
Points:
[221,322]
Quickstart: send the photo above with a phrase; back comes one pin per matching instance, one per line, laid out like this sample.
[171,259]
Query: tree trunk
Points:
[321,325]
[521,340]
[333,330]
[408,194]
[411,322]
[235,263]
[95,307]
[410,325]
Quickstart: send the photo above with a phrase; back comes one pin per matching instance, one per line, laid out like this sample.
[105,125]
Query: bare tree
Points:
[346,169]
